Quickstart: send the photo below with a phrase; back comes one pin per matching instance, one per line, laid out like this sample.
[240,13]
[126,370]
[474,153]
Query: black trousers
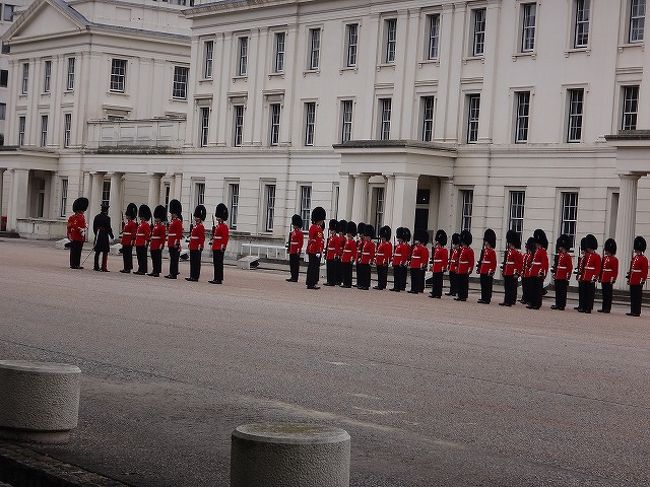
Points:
[195,264]
[561,287]
[525,290]
[104,259]
[217,262]
[487,284]
[536,291]
[313,270]
[436,285]
[127,257]
[581,295]
[141,254]
[174,256]
[462,281]
[346,271]
[608,292]
[590,295]
[399,275]
[156,261]
[363,276]
[510,290]
[332,267]
[339,272]
[75,253]
[417,280]
[453,284]
[382,276]
[636,296]
[294,266]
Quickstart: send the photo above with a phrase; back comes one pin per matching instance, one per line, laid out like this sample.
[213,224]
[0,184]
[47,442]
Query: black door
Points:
[421,219]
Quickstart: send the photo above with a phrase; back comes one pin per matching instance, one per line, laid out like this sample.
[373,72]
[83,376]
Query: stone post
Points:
[626,223]
[360,198]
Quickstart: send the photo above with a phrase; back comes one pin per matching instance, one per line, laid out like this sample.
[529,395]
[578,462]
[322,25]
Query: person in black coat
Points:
[103,236]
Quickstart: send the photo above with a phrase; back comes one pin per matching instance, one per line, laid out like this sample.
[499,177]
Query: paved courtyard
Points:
[433,392]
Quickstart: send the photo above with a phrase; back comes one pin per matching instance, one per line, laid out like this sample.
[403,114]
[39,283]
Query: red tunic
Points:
[158,236]
[384,254]
[333,247]
[528,262]
[128,234]
[514,263]
[76,227]
[220,237]
[368,252]
[564,267]
[610,269]
[175,234]
[197,237]
[296,241]
[142,234]
[316,242]
[489,262]
[591,270]
[401,255]
[440,259]
[465,261]
[349,251]
[453,260]
[419,257]
[539,265]
[638,270]
[342,240]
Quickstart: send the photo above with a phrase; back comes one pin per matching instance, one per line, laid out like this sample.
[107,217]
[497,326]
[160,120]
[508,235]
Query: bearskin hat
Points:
[530,244]
[160,212]
[583,244]
[361,228]
[514,239]
[591,243]
[318,214]
[296,221]
[341,226]
[466,237]
[421,235]
[490,237]
[369,231]
[407,234]
[399,233]
[540,237]
[441,237]
[333,225]
[351,228]
[175,207]
[455,239]
[385,232]
[105,207]
[610,246]
[144,212]
[80,204]
[131,210]
[221,211]
[200,212]
[563,241]
[640,244]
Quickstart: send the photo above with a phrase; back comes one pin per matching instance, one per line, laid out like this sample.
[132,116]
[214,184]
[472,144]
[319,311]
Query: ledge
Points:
[393,144]
[629,135]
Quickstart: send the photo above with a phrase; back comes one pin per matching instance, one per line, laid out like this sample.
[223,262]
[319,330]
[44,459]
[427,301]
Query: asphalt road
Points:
[433,392]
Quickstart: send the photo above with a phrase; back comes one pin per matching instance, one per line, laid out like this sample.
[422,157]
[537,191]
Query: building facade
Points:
[422,113]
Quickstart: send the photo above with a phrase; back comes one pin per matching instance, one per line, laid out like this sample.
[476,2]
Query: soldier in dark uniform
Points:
[487,265]
[128,237]
[158,237]
[77,231]
[142,238]
[637,276]
[315,246]
[103,235]
[383,257]
[331,253]
[296,242]
[341,229]
[197,241]
[439,262]
[174,237]
[361,231]
[220,237]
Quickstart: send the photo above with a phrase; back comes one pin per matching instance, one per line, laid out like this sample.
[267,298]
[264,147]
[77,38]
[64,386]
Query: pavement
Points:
[433,392]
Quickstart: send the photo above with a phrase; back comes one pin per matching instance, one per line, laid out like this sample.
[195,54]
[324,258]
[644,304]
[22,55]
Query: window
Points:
[379,208]
[199,194]
[427,118]
[4,77]
[21,130]
[6,49]
[478,32]
[466,202]
[238,125]
[67,129]
[305,206]
[473,108]
[234,205]
[390,27]
[242,66]
[208,53]
[516,219]
[179,88]
[630,107]
[47,76]
[205,124]
[269,210]
[569,216]
[106,193]
[433,37]
[352,44]
[63,202]
[118,75]
[25,83]
[637,20]
[8,13]
[576,102]
[274,132]
[278,62]
[70,76]
[44,122]
[346,120]
[581,34]
[168,191]
[3,111]
[528,14]
[384,125]
[310,122]
[314,49]
[522,116]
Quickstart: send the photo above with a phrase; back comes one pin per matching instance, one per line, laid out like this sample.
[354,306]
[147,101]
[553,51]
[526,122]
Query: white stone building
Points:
[452,114]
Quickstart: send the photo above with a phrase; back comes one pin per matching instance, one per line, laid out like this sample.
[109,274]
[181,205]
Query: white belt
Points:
[348,251]
[171,235]
[636,270]
[155,238]
[464,262]
[194,238]
[590,268]
[561,267]
[139,234]
[510,263]
[126,233]
[608,270]
[438,260]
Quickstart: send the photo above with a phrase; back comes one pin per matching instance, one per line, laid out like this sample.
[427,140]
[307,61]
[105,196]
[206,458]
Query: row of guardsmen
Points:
[349,245]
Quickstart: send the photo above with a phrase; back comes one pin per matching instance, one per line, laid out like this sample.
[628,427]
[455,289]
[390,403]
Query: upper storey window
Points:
[581,28]
[242,65]
[118,75]
[478,31]
[528,17]
[637,20]
[390,41]
[433,36]
[278,58]
[208,56]
[314,49]
[352,44]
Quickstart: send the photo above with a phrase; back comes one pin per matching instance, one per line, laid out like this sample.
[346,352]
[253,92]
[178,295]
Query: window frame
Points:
[631,18]
[633,114]
[390,41]
[516,210]
[47,76]
[45,122]
[24,85]
[566,223]
[346,124]
[67,129]
[427,122]
[4,75]
[208,59]
[233,203]
[199,193]
[70,73]
[433,37]
[522,117]
[118,79]
[385,117]
[242,56]
[310,124]
[3,111]
[204,125]
[63,198]
[315,43]
[571,116]
[274,123]
[578,22]
[269,206]
[466,201]
[351,45]
[279,51]
[305,202]
[238,125]
[527,44]
[472,123]
[478,36]
[379,203]
[22,127]
[179,86]
[12,13]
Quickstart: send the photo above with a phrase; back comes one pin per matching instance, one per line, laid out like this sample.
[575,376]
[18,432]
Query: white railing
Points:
[162,133]
[264,249]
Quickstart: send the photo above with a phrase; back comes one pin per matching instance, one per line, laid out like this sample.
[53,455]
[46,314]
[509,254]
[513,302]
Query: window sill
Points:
[178,100]
[629,45]
[520,55]
[276,75]
[117,93]
[432,62]
[46,93]
[474,59]
[205,80]
[315,72]
[68,92]
[386,66]
[349,69]
[239,78]
[578,50]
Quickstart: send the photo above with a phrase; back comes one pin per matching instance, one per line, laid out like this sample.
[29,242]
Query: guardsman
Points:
[174,237]
[608,274]
[487,266]
[349,255]
[419,261]
[383,257]
[579,269]
[220,237]
[158,238]
[368,250]
[296,241]
[197,242]
[525,276]
[401,259]
[454,255]
[341,229]
[465,265]
[331,253]
[538,269]
[315,246]
[637,276]
[142,237]
[439,265]
[77,231]
[513,263]
[561,271]
[128,237]
[361,230]
[103,236]
[590,273]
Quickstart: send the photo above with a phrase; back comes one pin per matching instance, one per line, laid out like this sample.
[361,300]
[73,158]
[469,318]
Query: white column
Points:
[87,185]
[389,200]
[95,200]
[115,202]
[346,186]
[19,197]
[178,184]
[154,190]
[626,223]
[2,182]
[445,206]
[360,198]
[406,187]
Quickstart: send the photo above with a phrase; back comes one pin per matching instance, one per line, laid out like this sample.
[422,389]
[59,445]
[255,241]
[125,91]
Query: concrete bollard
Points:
[39,401]
[287,455]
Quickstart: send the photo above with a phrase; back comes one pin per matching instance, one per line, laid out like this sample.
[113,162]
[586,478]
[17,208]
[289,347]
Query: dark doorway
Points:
[421,219]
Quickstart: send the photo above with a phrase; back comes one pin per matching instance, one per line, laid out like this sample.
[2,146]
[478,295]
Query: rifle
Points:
[214,227]
[556,262]
[480,260]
